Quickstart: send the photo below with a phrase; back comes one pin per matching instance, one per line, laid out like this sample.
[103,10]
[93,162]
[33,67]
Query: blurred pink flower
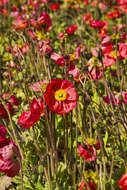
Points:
[38,86]
[3,2]
[10,157]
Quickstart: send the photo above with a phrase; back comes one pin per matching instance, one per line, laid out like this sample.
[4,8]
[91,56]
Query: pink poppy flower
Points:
[102,6]
[44,1]
[20,24]
[95,68]
[106,41]
[3,2]
[11,99]
[32,34]
[122,51]
[39,86]
[109,60]
[95,51]
[78,51]
[44,46]
[61,35]
[59,59]
[10,157]
[73,70]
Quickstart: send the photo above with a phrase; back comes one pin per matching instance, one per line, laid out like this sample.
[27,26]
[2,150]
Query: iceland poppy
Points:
[60,96]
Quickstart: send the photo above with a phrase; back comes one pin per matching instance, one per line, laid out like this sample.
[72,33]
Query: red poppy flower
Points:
[122,2]
[113,15]
[87,17]
[91,184]
[88,152]
[60,96]
[10,108]
[55,6]
[3,112]
[28,119]
[71,30]
[3,131]
[44,19]
[96,24]
[123,182]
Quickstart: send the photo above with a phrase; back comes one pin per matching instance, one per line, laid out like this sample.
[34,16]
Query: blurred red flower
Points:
[55,6]
[3,131]
[91,184]
[112,15]
[96,24]
[3,112]
[88,152]
[44,20]
[70,30]
[60,96]
[87,17]
[122,2]
[123,182]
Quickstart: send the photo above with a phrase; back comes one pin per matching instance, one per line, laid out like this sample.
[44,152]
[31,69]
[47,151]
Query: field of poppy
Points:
[63,94]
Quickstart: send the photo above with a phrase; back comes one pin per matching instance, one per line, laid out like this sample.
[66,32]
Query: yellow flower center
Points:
[91,175]
[60,95]
[40,35]
[114,54]
[90,141]
[43,87]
